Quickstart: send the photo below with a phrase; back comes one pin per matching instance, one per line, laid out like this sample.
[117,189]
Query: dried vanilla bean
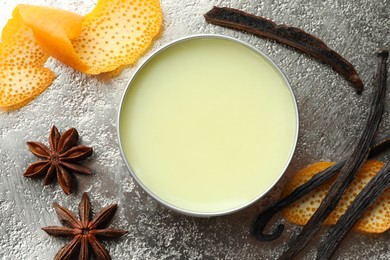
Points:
[291,36]
[380,146]
[353,163]
[265,217]
[373,189]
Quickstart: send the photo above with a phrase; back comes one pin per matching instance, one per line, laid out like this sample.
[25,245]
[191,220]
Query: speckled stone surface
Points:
[331,117]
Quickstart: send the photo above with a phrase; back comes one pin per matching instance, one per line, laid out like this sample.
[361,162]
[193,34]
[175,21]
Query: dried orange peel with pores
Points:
[54,29]
[375,220]
[22,74]
[115,34]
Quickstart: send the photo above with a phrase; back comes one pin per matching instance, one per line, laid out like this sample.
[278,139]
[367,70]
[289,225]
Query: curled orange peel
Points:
[53,29]
[375,220]
[114,35]
[22,75]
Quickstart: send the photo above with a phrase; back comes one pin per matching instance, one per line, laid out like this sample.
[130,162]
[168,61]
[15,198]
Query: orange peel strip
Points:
[375,220]
[53,30]
[22,74]
[19,85]
[117,32]
[19,46]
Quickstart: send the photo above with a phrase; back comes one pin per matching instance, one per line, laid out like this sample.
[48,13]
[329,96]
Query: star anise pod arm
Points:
[54,137]
[84,210]
[66,217]
[64,179]
[39,149]
[67,140]
[84,248]
[50,175]
[37,169]
[109,232]
[76,153]
[61,231]
[104,217]
[98,249]
[69,251]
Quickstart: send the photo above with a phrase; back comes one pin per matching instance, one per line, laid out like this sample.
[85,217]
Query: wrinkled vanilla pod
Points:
[380,146]
[262,220]
[373,189]
[378,184]
[291,36]
[353,163]
[265,217]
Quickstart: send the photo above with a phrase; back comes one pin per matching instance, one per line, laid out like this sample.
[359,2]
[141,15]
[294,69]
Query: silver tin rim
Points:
[167,204]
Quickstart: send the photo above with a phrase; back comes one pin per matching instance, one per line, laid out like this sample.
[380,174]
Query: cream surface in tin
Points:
[208,125]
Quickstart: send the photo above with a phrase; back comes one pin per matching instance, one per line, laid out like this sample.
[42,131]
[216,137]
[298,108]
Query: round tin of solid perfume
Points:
[207,125]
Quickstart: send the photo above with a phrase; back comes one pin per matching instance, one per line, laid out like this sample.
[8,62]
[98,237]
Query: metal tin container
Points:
[151,191]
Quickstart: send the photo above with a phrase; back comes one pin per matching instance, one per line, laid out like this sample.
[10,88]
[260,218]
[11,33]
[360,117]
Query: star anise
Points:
[85,233]
[60,160]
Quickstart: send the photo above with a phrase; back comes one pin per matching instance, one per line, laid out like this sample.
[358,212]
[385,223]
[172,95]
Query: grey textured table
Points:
[331,118]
